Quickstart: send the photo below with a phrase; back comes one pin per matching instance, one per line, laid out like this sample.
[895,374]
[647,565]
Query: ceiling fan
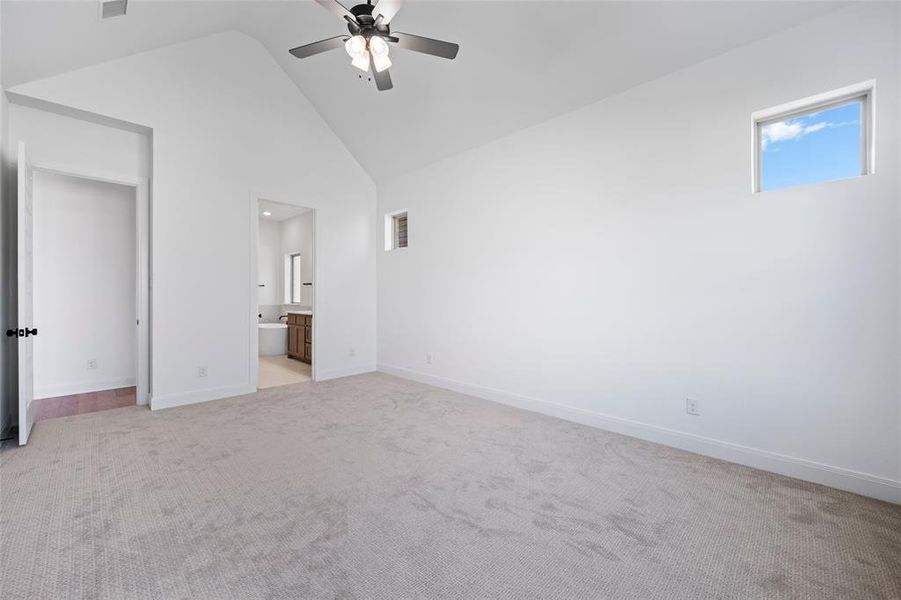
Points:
[370,34]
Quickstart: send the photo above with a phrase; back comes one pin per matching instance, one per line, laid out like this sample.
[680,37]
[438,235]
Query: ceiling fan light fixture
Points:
[379,50]
[367,44]
[356,49]
[355,46]
[378,46]
[361,61]
[381,62]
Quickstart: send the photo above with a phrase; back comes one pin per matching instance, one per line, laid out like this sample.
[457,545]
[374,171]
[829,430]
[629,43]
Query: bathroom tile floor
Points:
[88,402]
[281,370]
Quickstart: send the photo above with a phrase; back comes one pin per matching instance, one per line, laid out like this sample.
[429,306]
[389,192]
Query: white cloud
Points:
[816,127]
[794,130]
[781,131]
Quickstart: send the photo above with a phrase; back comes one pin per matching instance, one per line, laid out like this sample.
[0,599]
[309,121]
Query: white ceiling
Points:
[520,63]
[278,211]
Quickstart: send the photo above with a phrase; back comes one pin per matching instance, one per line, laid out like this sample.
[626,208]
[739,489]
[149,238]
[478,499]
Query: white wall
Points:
[269,263]
[228,124]
[84,283]
[79,145]
[297,236]
[898,107]
[608,264]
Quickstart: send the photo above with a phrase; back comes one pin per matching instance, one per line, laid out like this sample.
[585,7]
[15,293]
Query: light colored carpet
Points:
[377,487]
[274,371]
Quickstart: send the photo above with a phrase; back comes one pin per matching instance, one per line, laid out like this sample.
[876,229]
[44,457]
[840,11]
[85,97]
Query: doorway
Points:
[283,293]
[84,293]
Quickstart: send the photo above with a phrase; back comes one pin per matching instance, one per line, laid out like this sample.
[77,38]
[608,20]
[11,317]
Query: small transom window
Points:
[396,230]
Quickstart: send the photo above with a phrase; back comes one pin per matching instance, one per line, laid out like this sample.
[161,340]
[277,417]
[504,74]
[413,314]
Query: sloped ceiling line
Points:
[520,63]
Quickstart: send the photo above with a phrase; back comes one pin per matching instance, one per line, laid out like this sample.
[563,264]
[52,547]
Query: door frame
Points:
[143,274]
[253,297]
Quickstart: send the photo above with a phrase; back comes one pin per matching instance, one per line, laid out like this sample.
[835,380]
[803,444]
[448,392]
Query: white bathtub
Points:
[273,339]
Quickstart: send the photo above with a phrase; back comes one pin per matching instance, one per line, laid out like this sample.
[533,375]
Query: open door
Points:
[25,263]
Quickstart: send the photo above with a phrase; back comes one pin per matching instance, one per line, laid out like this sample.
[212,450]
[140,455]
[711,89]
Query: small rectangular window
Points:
[824,138]
[113,8]
[294,280]
[400,231]
[396,230]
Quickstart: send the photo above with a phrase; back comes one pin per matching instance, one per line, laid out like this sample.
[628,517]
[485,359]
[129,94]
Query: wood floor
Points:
[274,371]
[88,402]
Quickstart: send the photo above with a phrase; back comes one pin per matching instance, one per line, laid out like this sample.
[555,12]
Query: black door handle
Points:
[21,332]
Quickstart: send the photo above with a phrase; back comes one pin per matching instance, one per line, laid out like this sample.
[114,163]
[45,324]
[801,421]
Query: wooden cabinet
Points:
[300,337]
[292,340]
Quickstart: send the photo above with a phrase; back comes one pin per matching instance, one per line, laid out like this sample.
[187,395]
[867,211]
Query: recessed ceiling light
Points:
[266,213]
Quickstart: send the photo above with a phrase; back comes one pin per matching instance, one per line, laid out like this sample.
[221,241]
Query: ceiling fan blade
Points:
[318,47]
[382,80]
[385,10]
[337,9]
[353,24]
[417,43]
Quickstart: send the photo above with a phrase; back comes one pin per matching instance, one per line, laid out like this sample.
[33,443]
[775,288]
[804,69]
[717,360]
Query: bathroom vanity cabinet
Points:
[300,336]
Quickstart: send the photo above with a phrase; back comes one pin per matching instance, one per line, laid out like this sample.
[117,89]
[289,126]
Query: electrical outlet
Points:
[92,364]
[201,371]
[353,352]
[692,407]
[428,359]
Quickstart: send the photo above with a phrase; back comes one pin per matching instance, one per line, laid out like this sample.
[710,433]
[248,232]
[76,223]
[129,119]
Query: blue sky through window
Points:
[823,146]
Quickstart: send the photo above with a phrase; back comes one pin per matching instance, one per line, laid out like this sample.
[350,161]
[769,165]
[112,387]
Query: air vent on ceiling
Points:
[112,8]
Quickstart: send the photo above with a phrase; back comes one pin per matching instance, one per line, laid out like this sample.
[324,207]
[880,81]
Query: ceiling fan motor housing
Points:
[368,26]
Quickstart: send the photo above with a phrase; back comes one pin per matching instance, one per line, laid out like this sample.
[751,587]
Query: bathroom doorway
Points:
[282,332]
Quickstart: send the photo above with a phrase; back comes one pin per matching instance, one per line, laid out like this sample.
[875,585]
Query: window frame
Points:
[290,257]
[863,92]
[391,219]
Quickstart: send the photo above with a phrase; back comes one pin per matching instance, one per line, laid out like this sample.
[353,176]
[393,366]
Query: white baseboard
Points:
[68,389]
[864,484]
[345,372]
[158,402]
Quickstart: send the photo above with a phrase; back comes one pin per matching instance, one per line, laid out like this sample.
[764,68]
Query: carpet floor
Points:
[378,487]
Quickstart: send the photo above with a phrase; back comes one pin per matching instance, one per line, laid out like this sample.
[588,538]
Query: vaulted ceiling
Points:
[520,63]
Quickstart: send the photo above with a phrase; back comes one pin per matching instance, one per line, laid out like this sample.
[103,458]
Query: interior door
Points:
[25,264]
